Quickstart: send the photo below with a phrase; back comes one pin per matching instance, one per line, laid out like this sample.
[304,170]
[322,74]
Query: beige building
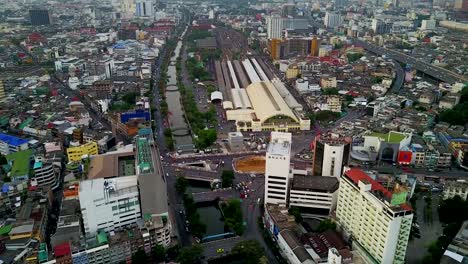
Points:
[328,82]
[334,103]
[2,91]
[460,188]
[378,220]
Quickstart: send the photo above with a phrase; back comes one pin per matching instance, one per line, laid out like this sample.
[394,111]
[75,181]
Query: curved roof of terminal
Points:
[267,102]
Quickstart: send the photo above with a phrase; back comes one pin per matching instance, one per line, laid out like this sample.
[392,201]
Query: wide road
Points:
[429,69]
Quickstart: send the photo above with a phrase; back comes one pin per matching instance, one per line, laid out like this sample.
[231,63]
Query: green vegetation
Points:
[198,34]
[352,57]
[294,211]
[120,107]
[391,137]
[168,139]
[190,255]
[325,225]
[159,253]
[376,79]
[330,91]
[197,70]
[197,228]
[250,248]
[206,138]
[233,215]
[130,98]
[452,221]
[139,257]
[323,116]
[227,177]
[459,114]
[181,184]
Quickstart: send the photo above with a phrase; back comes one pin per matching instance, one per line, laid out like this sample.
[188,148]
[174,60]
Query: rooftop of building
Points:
[12,140]
[112,164]
[315,183]
[390,137]
[280,144]
[322,242]
[378,190]
[21,162]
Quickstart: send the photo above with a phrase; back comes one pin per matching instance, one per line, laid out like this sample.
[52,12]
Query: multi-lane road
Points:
[434,71]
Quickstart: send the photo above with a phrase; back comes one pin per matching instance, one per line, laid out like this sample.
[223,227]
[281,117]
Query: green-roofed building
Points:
[20,163]
[387,145]
[25,123]
[4,230]
[102,238]
[4,121]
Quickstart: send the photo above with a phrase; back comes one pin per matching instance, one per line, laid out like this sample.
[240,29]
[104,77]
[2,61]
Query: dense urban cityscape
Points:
[266,131]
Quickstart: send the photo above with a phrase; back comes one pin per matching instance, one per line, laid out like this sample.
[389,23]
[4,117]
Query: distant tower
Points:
[331,153]
[314,46]
[274,27]
[39,17]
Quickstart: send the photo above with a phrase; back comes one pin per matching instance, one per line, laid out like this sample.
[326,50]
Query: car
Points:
[220,250]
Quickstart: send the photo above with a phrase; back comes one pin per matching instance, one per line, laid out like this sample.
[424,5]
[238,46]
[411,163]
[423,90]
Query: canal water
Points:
[209,213]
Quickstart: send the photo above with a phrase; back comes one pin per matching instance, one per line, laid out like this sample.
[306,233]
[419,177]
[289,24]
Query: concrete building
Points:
[77,153]
[316,195]
[328,82]
[334,103]
[452,189]
[2,91]
[277,170]
[378,220]
[109,204]
[457,251]
[332,20]
[145,8]
[10,144]
[274,27]
[44,175]
[39,17]
[236,141]
[331,153]
[428,24]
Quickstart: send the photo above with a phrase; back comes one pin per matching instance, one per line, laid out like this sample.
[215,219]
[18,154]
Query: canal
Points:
[210,214]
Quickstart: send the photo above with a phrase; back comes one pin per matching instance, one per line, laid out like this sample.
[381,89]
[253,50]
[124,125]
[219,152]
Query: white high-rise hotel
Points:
[277,171]
[378,220]
[274,27]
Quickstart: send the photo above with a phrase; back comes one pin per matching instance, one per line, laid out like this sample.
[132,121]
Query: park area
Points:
[251,164]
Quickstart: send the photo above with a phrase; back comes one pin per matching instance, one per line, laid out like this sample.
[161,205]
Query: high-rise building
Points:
[314,46]
[377,220]
[461,5]
[381,27]
[277,170]
[109,204]
[331,153]
[39,17]
[144,8]
[274,27]
[332,20]
[340,4]
[2,91]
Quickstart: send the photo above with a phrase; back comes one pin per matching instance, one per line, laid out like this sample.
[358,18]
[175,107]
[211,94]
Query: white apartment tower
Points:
[378,220]
[277,171]
[332,20]
[145,8]
[109,204]
[274,27]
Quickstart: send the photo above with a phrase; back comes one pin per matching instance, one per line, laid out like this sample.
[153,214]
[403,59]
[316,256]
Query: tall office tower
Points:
[332,20]
[340,4]
[2,91]
[109,204]
[274,27]
[277,173]
[461,5]
[314,46]
[127,7]
[378,220]
[331,153]
[381,27]
[144,8]
[39,17]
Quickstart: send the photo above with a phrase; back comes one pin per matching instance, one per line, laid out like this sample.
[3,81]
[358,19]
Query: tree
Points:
[3,160]
[159,253]
[206,138]
[139,257]
[250,248]
[130,98]
[227,178]
[294,211]
[352,57]
[330,91]
[233,216]
[181,184]
[190,255]
[325,225]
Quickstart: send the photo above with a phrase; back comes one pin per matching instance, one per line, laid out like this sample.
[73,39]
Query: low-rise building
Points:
[316,194]
[76,153]
[452,189]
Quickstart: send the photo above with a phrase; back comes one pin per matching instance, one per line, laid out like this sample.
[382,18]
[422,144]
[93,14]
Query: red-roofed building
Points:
[62,250]
[378,220]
